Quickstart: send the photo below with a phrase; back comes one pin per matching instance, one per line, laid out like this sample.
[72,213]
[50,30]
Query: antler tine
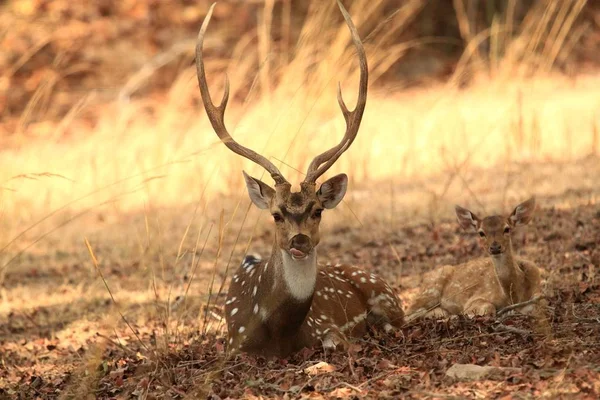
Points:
[325,160]
[216,114]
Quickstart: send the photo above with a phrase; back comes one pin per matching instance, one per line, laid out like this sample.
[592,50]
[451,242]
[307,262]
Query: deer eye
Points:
[507,230]
[481,234]
[317,213]
[277,217]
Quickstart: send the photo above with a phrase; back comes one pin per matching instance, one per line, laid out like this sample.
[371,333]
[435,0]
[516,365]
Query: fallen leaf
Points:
[472,372]
[319,368]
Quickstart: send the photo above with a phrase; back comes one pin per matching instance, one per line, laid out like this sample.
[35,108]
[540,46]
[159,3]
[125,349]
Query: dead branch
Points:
[519,305]
[512,329]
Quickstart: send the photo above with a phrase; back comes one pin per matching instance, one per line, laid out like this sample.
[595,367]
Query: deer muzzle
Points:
[300,246]
[495,249]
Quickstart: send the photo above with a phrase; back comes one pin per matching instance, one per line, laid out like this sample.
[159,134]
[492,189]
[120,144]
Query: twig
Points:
[339,384]
[116,344]
[512,329]
[518,305]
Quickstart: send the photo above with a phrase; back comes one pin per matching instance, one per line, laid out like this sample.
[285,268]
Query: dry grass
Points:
[166,149]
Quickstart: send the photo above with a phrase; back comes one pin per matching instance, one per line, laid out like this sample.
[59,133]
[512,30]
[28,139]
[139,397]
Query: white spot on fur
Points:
[328,343]
[363,280]
[355,321]
[242,329]
[231,300]
[254,290]
[234,311]
[263,314]
[255,309]
[376,300]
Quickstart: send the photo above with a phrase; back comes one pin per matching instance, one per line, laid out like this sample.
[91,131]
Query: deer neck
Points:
[294,279]
[289,289]
[505,268]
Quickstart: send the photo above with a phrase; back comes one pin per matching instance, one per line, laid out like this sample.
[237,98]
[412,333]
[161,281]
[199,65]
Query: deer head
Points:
[495,231]
[297,215]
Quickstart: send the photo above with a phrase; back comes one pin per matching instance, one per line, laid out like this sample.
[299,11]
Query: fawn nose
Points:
[301,243]
[495,248]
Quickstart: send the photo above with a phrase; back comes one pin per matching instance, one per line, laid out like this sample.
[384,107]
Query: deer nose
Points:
[495,248]
[301,242]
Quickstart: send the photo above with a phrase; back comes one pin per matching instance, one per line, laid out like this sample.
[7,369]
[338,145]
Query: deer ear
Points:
[260,193]
[332,191]
[523,213]
[466,219]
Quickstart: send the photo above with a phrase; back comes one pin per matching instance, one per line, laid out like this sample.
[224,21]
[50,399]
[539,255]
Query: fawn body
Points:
[280,305]
[484,285]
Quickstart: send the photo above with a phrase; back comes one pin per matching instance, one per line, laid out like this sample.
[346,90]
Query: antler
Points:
[216,114]
[325,160]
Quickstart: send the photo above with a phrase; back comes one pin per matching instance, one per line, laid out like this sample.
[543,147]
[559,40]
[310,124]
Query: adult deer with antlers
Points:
[280,305]
[485,285]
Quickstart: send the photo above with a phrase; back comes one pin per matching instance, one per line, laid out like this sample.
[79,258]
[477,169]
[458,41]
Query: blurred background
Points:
[92,93]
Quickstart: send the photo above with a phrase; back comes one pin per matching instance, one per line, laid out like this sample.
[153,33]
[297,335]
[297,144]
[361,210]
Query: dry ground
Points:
[61,334]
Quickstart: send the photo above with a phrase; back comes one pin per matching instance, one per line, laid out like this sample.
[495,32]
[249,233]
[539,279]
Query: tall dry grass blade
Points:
[97,268]
[54,229]
[70,203]
[568,20]
[205,324]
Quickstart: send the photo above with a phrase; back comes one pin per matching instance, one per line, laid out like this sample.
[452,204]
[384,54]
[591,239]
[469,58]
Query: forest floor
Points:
[141,325]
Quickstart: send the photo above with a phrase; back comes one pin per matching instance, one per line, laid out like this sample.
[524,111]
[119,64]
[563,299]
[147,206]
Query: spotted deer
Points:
[289,301]
[484,285]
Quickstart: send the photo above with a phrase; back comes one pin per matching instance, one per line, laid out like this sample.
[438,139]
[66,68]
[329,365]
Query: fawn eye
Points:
[507,230]
[317,213]
[277,217]
[481,234]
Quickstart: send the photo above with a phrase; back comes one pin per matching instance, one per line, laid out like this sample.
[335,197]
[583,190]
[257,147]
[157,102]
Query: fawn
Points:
[484,285]
[280,305]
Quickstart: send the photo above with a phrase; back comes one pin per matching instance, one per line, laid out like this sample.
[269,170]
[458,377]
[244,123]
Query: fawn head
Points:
[297,215]
[495,231]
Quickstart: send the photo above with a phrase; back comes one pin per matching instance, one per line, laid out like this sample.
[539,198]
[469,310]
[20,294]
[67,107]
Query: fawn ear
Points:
[523,213]
[466,219]
[260,193]
[332,191]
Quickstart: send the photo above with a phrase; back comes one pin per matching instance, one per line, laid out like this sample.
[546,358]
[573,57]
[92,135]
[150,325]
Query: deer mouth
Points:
[298,254]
